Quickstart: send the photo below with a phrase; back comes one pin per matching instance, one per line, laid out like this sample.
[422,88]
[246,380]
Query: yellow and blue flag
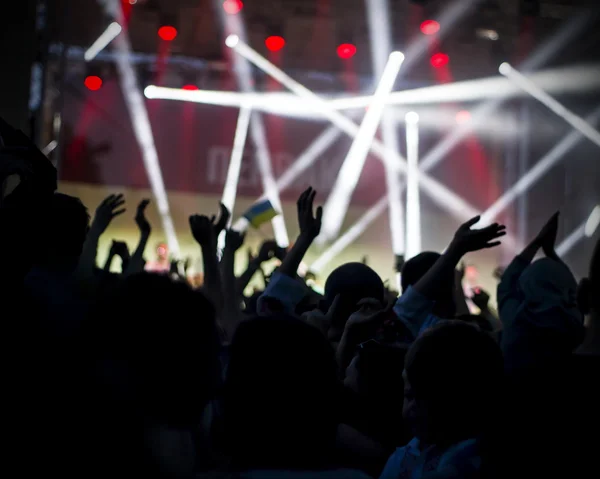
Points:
[260,213]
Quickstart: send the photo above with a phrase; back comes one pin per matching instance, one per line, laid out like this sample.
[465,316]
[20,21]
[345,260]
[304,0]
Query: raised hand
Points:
[320,320]
[234,240]
[267,250]
[119,248]
[203,230]
[140,218]
[224,217]
[468,240]
[546,238]
[108,210]
[310,224]
[480,298]
[371,312]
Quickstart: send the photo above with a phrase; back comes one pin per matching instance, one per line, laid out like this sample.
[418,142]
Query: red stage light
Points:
[189,87]
[167,33]
[463,116]
[346,51]
[93,82]
[275,43]
[232,7]
[430,27]
[439,60]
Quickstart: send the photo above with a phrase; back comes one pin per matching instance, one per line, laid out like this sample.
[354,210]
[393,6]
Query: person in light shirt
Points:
[162,264]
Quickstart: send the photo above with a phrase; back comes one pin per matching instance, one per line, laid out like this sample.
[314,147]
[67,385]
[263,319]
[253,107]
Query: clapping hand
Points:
[468,240]
[546,238]
[203,230]
[234,240]
[109,209]
[224,217]
[310,224]
[119,248]
[140,218]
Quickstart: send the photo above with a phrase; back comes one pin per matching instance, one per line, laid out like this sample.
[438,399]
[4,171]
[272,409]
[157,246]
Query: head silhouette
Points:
[452,374]
[66,223]
[280,395]
[415,268]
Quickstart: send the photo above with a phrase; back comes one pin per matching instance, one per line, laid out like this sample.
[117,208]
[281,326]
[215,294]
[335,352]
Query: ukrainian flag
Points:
[260,213]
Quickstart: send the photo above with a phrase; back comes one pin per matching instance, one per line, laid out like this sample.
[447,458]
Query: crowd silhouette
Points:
[140,374]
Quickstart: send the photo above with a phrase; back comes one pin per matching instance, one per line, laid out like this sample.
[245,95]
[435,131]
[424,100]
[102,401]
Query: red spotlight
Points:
[275,43]
[93,82]
[346,51]
[463,117]
[430,27]
[439,60]
[189,87]
[167,33]
[232,7]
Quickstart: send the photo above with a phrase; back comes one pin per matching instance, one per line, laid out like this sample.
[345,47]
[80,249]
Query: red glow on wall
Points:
[93,82]
[439,60]
[167,33]
[430,27]
[275,43]
[346,51]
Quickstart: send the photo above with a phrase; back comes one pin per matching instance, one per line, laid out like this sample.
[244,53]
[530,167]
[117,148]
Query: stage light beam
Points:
[592,223]
[103,41]
[413,205]
[535,91]
[339,199]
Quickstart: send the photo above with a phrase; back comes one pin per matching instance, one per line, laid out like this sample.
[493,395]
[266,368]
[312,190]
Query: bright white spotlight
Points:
[142,129]
[232,40]
[592,223]
[535,91]
[111,32]
[351,170]
[413,206]
[504,68]
[536,172]
[412,117]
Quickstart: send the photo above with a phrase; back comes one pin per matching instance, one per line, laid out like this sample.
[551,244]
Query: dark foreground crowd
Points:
[139,375]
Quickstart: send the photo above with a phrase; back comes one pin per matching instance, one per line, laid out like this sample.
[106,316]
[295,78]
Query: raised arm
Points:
[110,208]
[118,248]
[136,264]
[283,287]
[310,227]
[232,300]
[267,250]
[206,231]
[508,286]
[465,240]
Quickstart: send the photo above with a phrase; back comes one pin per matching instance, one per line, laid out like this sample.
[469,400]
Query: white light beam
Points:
[111,32]
[444,197]
[536,172]
[530,87]
[381,45]
[592,223]
[235,165]
[413,206]
[142,128]
[338,201]
[571,241]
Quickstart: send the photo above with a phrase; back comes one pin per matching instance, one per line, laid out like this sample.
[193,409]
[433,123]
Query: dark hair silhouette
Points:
[455,372]
[280,396]
[65,225]
[415,268]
